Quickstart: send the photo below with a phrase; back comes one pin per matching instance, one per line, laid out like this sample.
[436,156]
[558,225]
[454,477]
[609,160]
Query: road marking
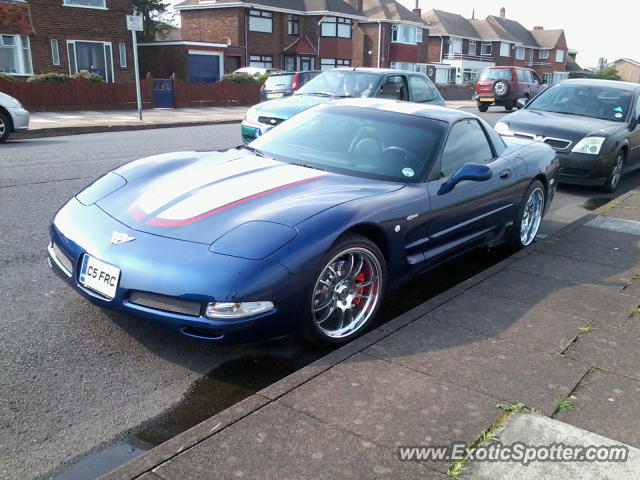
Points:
[615,224]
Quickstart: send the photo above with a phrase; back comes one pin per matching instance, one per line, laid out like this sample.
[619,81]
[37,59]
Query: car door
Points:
[634,137]
[421,90]
[474,212]
[536,83]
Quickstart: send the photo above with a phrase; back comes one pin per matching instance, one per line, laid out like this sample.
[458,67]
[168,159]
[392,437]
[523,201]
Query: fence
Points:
[223,93]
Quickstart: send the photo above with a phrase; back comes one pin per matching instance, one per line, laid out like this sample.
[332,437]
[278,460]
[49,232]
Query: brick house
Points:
[281,34]
[66,36]
[469,45]
[627,69]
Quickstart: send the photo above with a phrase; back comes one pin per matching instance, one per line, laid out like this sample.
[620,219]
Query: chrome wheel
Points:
[616,173]
[532,217]
[347,292]
[3,127]
[500,88]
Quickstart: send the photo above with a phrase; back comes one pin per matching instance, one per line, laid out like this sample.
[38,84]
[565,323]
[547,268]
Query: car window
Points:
[638,107]
[535,78]
[466,143]
[340,83]
[395,87]
[422,90]
[520,75]
[496,74]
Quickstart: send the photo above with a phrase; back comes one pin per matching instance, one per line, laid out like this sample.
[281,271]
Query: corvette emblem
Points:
[118,238]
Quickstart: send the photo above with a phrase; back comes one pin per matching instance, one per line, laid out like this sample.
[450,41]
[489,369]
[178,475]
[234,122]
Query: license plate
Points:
[275,95]
[99,276]
[487,99]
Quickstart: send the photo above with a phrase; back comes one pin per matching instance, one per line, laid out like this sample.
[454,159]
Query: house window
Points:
[85,3]
[404,34]
[409,67]
[505,50]
[472,47]
[559,56]
[55,51]
[520,53]
[419,33]
[260,21]
[455,45]
[485,48]
[123,55]
[336,27]
[329,63]
[15,55]
[293,25]
[547,78]
[92,57]
[261,61]
[543,54]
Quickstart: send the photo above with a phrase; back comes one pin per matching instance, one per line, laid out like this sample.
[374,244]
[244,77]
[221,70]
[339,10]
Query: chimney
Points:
[503,13]
[538,27]
[417,11]
[473,14]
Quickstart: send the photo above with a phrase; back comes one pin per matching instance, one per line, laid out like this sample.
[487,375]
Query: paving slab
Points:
[607,404]
[614,349]
[622,222]
[393,405]
[538,430]
[278,442]
[509,372]
[625,211]
[539,328]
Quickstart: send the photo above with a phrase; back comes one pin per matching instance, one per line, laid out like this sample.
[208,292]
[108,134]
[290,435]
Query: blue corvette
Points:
[305,229]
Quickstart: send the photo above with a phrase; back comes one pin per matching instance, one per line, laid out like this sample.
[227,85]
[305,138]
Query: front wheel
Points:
[529,216]
[4,127]
[613,180]
[347,292]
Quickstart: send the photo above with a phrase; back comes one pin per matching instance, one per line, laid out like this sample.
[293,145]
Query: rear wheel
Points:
[529,216]
[5,127]
[500,88]
[347,292]
[483,106]
[613,180]
[508,107]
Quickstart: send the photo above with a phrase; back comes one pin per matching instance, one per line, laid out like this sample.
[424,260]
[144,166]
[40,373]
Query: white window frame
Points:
[419,35]
[520,53]
[404,66]
[543,53]
[404,34]
[21,43]
[559,56]
[483,45]
[122,53]
[55,51]
[71,44]
[505,49]
[293,25]
[331,63]
[261,61]
[258,20]
[336,27]
[455,45]
[69,3]
[472,49]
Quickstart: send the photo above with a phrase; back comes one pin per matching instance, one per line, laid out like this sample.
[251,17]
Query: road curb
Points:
[215,424]
[64,131]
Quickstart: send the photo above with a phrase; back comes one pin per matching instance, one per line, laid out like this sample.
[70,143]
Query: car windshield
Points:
[278,81]
[584,100]
[356,141]
[341,83]
[496,74]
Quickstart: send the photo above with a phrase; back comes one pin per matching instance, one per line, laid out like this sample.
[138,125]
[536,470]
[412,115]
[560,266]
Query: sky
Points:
[607,30]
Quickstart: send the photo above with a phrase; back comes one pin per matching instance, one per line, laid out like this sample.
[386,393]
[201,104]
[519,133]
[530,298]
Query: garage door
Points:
[204,68]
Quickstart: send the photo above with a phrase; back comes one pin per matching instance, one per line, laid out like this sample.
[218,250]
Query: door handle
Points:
[506,173]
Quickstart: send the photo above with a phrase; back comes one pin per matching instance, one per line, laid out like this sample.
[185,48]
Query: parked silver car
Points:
[13,116]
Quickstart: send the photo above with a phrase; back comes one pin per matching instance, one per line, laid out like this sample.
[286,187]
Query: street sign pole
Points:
[135,24]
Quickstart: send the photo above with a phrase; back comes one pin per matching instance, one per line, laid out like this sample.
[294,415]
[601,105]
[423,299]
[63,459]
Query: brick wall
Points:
[216,26]
[164,61]
[14,19]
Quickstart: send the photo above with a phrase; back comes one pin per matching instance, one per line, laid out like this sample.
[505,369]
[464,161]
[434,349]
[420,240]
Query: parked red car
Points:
[503,86]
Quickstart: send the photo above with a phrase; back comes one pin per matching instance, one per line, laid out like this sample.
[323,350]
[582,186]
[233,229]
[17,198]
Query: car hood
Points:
[287,107]
[558,125]
[198,196]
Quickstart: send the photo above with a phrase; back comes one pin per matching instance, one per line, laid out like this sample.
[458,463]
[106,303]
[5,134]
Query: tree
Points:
[155,16]
[609,73]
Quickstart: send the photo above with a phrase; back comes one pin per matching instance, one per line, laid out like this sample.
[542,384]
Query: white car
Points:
[13,116]
[256,71]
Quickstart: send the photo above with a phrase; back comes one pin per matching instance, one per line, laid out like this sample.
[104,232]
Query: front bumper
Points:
[584,169]
[189,274]
[20,118]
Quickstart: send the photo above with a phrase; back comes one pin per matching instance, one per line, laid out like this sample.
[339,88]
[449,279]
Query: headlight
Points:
[15,101]
[589,145]
[252,116]
[502,128]
[232,310]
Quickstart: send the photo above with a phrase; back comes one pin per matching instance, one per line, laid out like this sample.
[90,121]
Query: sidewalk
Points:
[557,321]
[50,124]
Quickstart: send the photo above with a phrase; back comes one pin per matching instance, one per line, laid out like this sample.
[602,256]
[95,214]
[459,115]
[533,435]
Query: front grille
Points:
[167,304]
[557,143]
[62,258]
[574,172]
[270,120]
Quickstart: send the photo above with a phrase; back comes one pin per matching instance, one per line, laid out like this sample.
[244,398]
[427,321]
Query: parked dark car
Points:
[340,83]
[592,124]
[503,86]
[284,84]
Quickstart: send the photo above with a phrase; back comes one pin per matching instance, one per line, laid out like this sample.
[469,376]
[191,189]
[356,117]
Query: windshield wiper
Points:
[319,94]
[306,166]
[253,150]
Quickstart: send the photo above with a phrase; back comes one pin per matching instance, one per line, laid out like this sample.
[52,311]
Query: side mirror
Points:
[475,172]
[521,102]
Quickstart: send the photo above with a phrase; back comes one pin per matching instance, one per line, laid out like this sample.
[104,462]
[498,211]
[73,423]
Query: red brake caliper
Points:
[359,279]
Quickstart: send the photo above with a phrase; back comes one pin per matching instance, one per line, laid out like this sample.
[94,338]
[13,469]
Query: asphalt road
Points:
[74,378]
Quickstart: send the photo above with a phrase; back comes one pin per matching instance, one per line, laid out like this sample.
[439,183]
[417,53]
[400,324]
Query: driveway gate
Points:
[163,93]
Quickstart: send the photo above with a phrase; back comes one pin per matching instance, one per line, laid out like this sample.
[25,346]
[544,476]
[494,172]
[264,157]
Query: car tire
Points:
[500,88]
[529,217]
[346,293]
[483,106]
[613,179]
[5,127]
[508,107]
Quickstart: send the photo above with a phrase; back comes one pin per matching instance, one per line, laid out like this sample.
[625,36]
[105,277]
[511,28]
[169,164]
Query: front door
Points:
[163,93]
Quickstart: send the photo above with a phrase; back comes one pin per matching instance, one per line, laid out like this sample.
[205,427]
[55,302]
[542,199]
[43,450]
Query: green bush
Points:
[89,77]
[244,78]
[54,77]
[7,78]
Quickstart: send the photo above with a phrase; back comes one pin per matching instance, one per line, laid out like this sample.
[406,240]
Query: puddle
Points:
[594,203]
[223,387]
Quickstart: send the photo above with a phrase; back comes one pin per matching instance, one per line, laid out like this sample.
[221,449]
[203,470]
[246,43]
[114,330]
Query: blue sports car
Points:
[305,229]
